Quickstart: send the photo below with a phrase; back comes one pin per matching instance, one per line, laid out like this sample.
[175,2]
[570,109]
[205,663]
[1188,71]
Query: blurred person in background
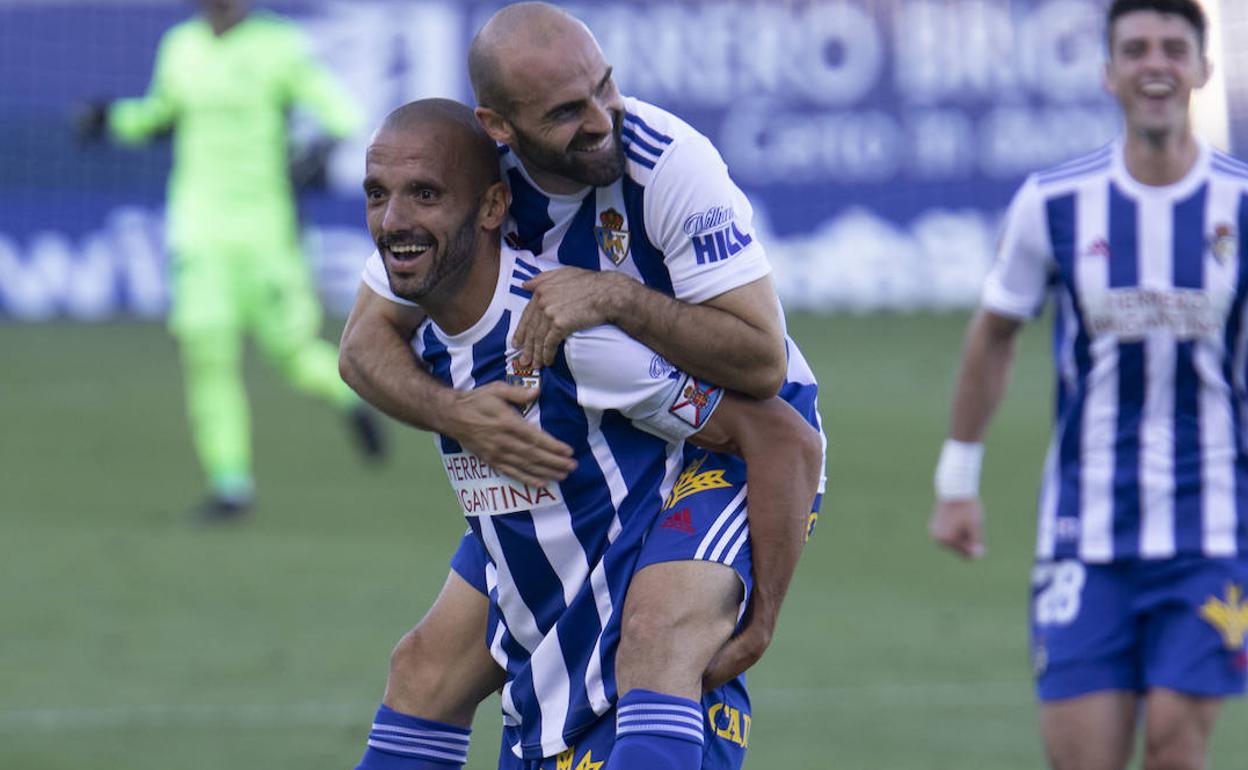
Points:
[661,244]
[1138,613]
[224,83]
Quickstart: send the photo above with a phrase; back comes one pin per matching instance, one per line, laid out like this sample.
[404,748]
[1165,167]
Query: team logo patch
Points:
[525,377]
[693,480]
[695,401]
[611,235]
[564,761]
[1230,617]
[1223,243]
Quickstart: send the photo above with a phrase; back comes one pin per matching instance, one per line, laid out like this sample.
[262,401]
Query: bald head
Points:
[510,34]
[449,122]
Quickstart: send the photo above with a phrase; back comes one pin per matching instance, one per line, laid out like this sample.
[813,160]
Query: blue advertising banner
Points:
[879,140]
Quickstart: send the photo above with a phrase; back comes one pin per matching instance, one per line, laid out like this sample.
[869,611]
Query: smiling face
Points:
[422,209]
[1155,62]
[565,113]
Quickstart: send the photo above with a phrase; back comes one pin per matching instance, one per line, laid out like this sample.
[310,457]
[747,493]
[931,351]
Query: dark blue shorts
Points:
[1175,623]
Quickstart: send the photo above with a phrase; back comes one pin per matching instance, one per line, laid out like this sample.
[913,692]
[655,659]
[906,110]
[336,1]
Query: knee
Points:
[1172,752]
[415,664]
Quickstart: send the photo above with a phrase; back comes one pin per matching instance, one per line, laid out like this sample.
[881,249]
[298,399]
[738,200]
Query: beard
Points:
[449,268]
[598,171]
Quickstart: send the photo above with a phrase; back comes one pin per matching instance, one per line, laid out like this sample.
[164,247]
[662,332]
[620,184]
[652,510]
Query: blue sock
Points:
[401,742]
[656,732]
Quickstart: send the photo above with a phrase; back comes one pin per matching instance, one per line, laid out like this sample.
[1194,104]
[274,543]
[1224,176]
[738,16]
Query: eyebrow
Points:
[565,105]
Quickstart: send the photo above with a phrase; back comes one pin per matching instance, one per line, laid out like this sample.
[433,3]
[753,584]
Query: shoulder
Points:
[1074,172]
[1228,168]
[653,138]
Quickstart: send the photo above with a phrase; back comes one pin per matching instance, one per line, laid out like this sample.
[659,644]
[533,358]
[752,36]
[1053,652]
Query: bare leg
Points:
[1090,732]
[1177,729]
[676,617]
[442,669]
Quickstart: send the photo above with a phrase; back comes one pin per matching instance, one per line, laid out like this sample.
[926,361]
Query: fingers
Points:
[733,659]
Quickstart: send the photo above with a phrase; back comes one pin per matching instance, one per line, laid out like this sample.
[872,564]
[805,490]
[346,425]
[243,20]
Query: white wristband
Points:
[957,471]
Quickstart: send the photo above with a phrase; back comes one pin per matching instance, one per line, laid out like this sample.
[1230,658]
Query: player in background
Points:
[1138,613]
[223,83]
[645,205]
[561,555]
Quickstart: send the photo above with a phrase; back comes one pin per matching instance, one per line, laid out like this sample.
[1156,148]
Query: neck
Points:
[1160,159]
[224,22]
[550,183]
[462,300]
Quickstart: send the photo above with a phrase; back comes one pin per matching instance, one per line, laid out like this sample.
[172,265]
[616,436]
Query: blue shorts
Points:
[726,736]
[1136,625]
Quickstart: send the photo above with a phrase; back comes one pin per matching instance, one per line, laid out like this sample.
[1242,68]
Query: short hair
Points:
[1188,9]
[480,157]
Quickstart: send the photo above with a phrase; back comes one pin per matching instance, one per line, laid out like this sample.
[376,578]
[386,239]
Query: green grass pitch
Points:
[132,640]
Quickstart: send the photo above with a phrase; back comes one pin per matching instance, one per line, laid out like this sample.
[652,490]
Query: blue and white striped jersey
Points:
[561,556]
[1150,348]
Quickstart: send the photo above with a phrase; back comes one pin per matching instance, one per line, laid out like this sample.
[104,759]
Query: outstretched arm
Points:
[784,462]
[735,339]
[957,520]
[376,360]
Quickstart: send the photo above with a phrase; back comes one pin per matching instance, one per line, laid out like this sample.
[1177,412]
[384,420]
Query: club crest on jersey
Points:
[1230,617]
[564,760]
[524,376]
[1223,243]
[611,235]
[695,401]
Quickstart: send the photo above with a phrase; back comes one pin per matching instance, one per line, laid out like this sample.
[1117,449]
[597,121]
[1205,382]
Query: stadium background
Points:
[879,140]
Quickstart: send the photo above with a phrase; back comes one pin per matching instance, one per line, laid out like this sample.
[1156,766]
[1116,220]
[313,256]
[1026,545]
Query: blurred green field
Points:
[133,640]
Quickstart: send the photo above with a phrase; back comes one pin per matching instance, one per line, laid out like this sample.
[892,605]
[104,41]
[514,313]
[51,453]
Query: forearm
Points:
[712,344]
[376,360]
[134,121]
[782,477]
[984,375]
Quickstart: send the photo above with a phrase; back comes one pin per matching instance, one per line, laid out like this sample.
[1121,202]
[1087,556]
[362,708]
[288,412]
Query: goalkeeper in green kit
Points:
[223,83]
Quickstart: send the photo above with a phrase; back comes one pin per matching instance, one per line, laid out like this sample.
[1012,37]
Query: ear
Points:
[1206,71]
[495,125]
[494,203]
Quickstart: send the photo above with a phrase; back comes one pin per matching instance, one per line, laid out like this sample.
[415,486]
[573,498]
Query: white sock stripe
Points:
[444,735]
[460,757]
[660,728]
[678,718]
[635,707]
[408,741]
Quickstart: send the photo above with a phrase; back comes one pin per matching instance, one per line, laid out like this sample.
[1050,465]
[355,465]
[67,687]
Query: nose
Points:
[397,215]
[601,116]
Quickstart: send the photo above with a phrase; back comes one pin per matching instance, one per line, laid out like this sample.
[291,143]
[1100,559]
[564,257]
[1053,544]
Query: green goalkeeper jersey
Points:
[227,99]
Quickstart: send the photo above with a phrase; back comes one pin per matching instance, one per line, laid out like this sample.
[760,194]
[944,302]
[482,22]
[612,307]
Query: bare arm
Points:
[734,340]
[986,361]
[376,360]
[784,461]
